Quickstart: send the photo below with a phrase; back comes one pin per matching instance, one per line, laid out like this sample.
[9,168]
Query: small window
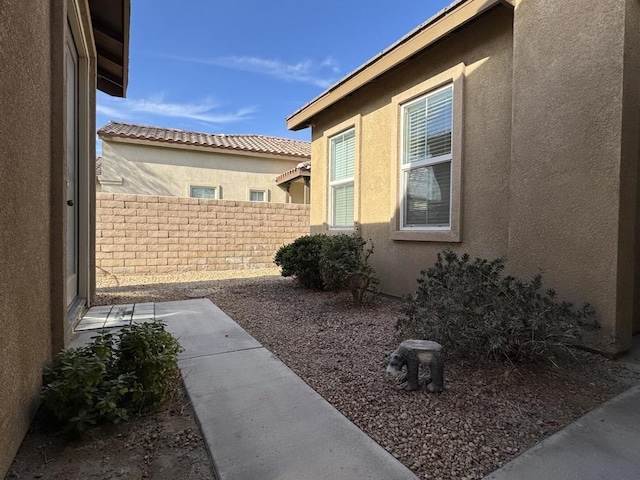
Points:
[202,192]
[257,196]
[341,179]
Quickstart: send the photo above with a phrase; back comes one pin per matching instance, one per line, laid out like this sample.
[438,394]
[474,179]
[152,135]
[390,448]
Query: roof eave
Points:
[111,23]
[289,177]
[440,25]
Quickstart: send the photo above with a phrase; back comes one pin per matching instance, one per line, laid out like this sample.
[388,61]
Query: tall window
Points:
[426,161]
[202,192]
[341,174]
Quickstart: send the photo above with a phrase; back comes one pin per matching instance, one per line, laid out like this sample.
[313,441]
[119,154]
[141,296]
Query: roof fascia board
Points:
[430,34]
[201,148]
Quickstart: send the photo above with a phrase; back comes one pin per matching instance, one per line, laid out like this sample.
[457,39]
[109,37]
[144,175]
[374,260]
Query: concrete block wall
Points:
[140,234]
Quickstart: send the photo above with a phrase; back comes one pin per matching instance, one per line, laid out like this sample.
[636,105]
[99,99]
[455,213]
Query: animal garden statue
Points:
[412,353]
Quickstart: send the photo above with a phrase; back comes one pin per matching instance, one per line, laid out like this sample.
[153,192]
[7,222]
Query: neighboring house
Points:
[169,162]
[54,54]
[499,128]
[297,183]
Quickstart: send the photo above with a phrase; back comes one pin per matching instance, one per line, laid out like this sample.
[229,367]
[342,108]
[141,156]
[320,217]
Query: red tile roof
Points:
[249,143]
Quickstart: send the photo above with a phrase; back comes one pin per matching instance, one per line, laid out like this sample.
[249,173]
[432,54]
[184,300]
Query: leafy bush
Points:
[110,378]
[344,264]
[150,353]
[476,313]
[301,259]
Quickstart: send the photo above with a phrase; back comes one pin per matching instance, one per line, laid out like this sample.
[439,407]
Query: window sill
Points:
[425,235]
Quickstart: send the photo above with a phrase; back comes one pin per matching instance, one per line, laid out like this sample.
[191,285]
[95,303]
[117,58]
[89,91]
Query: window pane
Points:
[203,192]
[427,126]
[427,201]
[256,196]
[343,148]
[342,202]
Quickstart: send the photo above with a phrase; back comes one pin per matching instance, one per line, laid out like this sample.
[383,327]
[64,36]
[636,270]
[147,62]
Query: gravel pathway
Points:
[482,420]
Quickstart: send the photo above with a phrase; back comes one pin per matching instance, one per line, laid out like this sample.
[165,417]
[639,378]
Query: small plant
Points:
[79,389]
[110,378]
[344,264]
[150,353]
[476,313]
[301,259]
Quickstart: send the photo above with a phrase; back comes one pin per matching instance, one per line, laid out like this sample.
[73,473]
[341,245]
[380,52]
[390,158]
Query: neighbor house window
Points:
[257,196]
[426,161]
[341,176]
[202,192]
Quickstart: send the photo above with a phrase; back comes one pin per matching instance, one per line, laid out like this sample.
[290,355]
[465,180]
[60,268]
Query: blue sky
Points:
[243,66]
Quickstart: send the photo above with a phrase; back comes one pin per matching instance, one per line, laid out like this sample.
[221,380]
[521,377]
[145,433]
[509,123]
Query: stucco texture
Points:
[25,316]
[169,171]
[572,189]
[549,160]
[485,48]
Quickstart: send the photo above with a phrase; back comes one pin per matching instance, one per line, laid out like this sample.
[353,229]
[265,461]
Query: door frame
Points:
[78,27]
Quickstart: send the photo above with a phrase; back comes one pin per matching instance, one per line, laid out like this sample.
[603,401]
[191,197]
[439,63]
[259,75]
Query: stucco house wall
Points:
[35,314]
[573,182]
[547,143]
[25,248]
[485,50]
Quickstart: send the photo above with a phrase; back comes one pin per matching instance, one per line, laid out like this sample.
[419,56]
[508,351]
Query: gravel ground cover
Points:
[484,418]
[165,445]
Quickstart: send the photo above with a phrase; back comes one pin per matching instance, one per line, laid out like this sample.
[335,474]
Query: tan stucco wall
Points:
[167,171]
[560,195]
[572,186]
[485,48]
[25,158]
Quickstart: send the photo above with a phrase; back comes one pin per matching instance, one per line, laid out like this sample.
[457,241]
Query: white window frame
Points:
[342,182]
[407,167]
[214,188]
[453,233]
[265,195]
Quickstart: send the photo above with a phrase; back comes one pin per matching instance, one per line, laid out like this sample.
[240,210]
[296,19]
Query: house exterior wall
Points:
[34,313]
[143,234]
[168,171]
[486,51]
[573,185]
[549,157]
[25,216]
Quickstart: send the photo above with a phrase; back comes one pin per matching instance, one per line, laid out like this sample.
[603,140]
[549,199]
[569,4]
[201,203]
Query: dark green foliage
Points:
[344,265]
[110,378]
[476,313]
[150,353]
[81,389]
[301,259]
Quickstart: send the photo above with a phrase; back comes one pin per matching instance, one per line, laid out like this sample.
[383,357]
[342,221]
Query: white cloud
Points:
[306,71]
[206,111]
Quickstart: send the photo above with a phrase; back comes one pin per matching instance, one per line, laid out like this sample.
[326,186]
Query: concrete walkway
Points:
[260,421]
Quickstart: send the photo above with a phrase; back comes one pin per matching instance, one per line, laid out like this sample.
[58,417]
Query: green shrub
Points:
[301,259]
[476,313]
[344,265]
[150,353]
[80,388]
[110,378]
